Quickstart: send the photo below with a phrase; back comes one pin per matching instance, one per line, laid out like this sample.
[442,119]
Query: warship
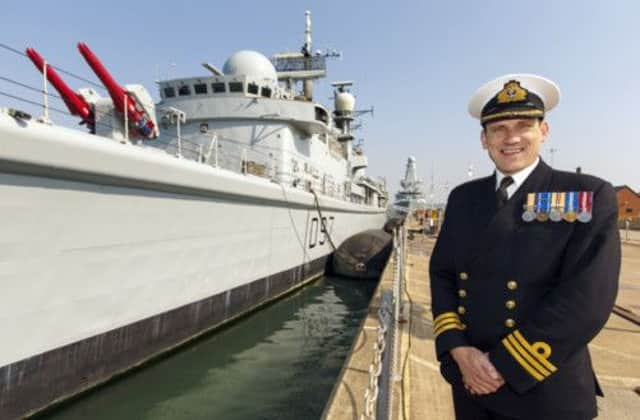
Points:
[158,222]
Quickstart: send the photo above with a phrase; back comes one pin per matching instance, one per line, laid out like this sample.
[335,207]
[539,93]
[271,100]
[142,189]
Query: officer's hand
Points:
[478,373]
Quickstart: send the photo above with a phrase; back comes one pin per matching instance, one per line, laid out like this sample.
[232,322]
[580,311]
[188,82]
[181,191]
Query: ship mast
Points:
[306,50]
[304,66]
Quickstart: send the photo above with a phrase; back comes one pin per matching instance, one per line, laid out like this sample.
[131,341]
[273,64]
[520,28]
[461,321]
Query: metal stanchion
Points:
[383,371]
[376,393]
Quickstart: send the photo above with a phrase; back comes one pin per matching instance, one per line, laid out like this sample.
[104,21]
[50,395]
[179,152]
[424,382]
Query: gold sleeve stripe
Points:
[532,362]
[440,322]
[447,327]
[533,350]
[520,360]
[445,315]
[447,322]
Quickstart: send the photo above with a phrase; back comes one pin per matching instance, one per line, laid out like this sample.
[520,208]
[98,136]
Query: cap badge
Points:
[512,92]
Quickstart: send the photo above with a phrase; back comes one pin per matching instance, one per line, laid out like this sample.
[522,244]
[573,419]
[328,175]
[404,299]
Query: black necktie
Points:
[501,194]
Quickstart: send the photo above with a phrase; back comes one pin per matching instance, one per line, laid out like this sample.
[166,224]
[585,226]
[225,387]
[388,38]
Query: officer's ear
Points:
[483,137]
[544,130]
[544,127]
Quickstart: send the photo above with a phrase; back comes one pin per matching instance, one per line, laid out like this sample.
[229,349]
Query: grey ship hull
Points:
[113,254]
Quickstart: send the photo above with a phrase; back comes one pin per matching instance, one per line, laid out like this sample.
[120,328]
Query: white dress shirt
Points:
[518,178]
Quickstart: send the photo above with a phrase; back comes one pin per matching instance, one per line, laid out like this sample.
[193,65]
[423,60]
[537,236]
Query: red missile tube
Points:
[76,104]
[141,123]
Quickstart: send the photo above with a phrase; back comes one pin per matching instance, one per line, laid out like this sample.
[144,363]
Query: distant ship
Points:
[166,220]
[411,195]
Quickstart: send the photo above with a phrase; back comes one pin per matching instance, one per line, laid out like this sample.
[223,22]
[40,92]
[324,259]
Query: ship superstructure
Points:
[166,220]
[241,119]
[411,195]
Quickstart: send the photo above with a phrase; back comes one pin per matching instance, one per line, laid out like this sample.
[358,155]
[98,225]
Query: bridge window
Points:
[252,88]
[236,87]
[184,91]
[218,87]
[200,88]
[321,115]
[169,92]
[266,92]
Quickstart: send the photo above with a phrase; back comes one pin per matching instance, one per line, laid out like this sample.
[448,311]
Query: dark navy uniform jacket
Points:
[532,294]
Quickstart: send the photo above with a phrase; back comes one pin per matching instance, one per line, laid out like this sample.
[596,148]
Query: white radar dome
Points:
[345,102]
[250,63]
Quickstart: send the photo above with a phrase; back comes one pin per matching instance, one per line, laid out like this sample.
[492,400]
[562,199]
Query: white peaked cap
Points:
[546,90]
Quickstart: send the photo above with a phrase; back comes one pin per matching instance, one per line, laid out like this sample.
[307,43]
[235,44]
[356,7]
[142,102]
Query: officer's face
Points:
[514,144]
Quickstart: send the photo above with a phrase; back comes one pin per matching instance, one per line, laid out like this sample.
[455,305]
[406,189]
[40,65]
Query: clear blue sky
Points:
[416,62]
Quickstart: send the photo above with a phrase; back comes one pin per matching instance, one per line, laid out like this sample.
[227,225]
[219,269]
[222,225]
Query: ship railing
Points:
[36,98]
[47,103]
[385,369]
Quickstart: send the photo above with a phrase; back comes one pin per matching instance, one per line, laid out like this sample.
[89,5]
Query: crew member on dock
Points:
[525,270]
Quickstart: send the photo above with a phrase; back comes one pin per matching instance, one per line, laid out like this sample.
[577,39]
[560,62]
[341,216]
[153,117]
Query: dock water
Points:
[418,391]
[278,363]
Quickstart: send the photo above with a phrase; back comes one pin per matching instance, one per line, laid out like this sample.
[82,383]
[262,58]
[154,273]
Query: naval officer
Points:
[525,270]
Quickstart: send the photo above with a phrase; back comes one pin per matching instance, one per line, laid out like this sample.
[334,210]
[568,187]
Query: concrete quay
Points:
[419,392]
